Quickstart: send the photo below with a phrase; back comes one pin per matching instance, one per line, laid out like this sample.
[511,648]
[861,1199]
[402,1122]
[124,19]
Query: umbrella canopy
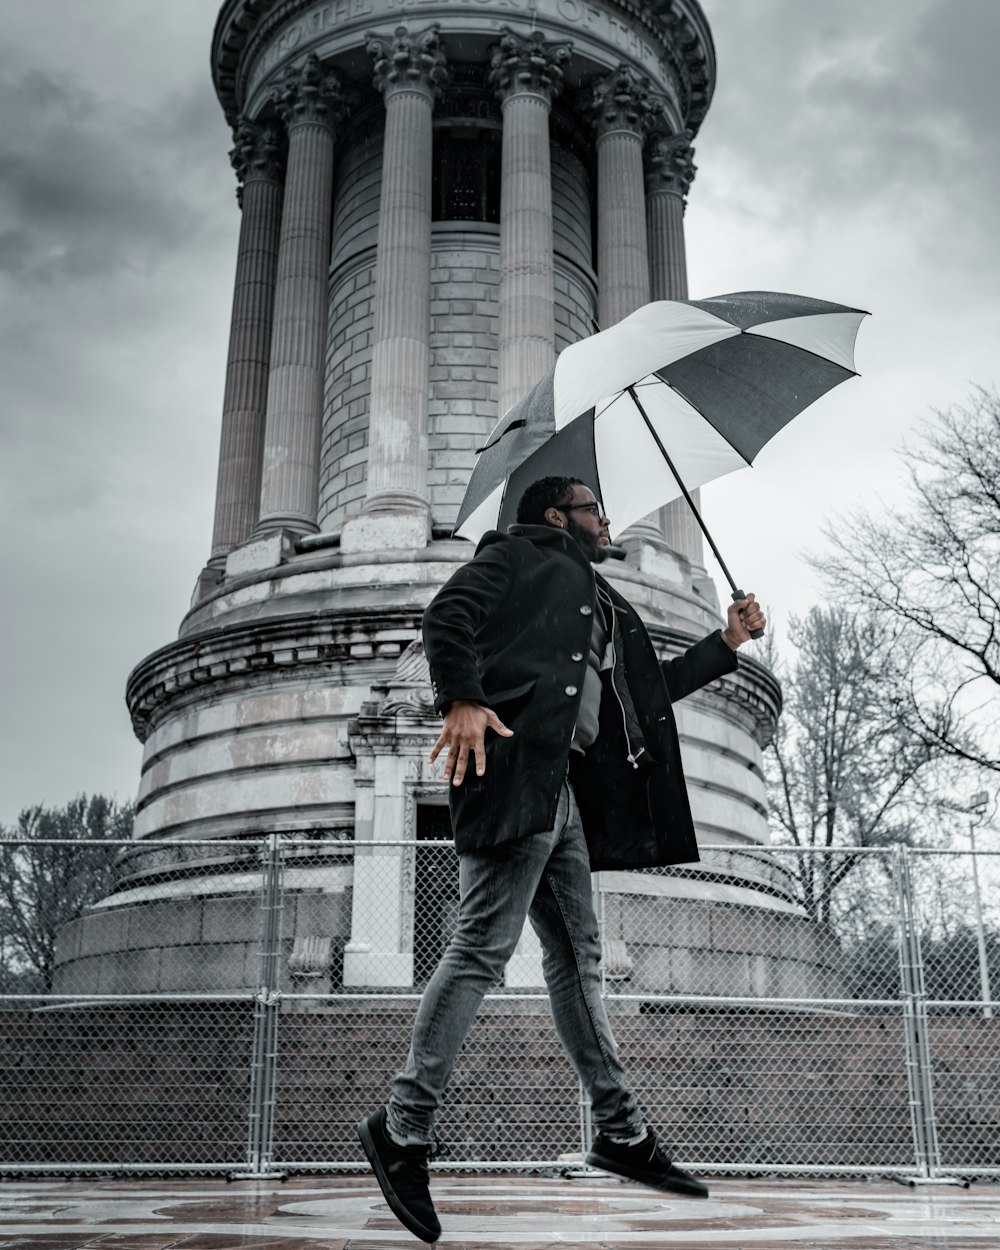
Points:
[709,382]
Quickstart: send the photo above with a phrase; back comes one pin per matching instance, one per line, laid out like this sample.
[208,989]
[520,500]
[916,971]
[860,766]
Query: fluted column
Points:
[258,158]
[670,171]
[527,75]
[623,109]
[410,73]
[311,103]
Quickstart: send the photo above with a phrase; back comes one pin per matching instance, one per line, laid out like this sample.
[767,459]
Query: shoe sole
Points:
[642,1178]
[397,1208]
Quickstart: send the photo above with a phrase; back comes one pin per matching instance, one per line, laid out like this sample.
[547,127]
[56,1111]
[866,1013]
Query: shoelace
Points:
[410,1165]
[419,1158]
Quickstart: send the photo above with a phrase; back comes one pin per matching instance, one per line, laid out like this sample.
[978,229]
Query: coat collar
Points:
[540,536]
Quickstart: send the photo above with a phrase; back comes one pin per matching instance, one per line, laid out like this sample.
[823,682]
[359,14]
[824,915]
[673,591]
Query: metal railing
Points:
[237,1006]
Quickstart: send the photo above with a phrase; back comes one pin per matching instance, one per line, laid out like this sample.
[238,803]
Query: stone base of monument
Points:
[657,942]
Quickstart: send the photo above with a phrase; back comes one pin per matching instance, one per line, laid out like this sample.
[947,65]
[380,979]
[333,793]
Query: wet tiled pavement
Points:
[529,1213]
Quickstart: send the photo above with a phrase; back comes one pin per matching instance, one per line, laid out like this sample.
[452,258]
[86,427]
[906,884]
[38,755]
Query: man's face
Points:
[585,522]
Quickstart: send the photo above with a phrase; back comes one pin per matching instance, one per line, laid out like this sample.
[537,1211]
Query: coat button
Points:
[571,690]
[577,656]
[586,610]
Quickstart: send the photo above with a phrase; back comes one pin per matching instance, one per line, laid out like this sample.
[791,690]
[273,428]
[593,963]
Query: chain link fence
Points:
[237,1006]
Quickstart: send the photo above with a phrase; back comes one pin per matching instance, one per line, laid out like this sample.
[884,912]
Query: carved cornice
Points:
[687,44]
[624,100]
[310,93]
[679,27]
[258,151]
[402,60]
[670,163]
[359,644]
[527,63]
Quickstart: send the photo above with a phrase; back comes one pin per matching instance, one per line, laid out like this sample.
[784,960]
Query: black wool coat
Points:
[511,630]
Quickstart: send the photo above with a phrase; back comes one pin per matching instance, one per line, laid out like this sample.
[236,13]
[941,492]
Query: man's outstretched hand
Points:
[744,615]
[464,730]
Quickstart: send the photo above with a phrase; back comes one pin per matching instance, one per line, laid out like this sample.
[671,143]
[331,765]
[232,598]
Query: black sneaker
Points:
[645,1162]
[402,1173]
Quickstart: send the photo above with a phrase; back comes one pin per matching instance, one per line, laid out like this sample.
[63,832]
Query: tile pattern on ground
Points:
[529,1213]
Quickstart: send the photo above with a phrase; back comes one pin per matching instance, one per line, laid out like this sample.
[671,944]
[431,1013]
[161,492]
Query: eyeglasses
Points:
[595,509]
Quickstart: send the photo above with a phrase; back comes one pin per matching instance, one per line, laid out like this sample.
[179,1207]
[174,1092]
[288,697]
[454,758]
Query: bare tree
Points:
[842,770]
[53,863]
[931,575]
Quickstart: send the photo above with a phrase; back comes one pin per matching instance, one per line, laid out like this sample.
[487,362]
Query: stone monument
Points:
[436,197]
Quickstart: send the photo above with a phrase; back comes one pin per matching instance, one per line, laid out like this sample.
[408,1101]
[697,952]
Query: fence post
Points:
[915,1019]
[267,1008]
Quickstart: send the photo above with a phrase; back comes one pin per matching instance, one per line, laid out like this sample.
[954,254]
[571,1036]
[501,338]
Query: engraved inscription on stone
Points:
[326,18]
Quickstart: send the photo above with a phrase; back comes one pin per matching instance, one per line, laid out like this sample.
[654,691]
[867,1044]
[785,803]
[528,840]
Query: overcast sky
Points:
[850,153]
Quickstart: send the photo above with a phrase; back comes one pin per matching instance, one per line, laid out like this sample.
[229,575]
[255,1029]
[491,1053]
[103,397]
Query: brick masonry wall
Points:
[344,444]
[572,233]
[343,449]
[575,279]
[465,277]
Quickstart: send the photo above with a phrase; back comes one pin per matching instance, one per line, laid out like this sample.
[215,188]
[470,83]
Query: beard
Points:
[589,543]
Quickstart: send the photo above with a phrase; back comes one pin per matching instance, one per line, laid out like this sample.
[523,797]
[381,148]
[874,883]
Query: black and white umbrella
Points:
[675,395]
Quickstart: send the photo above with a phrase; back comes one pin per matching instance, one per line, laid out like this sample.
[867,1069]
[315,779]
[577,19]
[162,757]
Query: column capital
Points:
[670,163]
[311,93]
[258,151]
[624,100]
[527,64]
[402,60]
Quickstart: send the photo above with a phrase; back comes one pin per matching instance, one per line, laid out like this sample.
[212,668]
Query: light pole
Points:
[977,809]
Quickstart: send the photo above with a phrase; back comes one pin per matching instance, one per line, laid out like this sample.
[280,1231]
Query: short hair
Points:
[547,492]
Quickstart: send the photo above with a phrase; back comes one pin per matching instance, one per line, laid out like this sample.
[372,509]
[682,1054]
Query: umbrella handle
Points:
[737,596]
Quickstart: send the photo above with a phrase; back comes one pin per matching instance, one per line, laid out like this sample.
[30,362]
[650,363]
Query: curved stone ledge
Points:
[247,711]
[320,609]
[370,640]
[312,788]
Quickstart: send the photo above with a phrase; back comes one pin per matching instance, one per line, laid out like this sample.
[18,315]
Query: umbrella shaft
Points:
[737,594]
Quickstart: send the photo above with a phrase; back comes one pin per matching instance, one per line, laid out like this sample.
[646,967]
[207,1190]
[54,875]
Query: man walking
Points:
[563,757]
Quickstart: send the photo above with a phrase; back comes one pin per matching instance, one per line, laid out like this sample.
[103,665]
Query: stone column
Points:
[310,103]
[258,158]
[623,109]
[527,75]
[410,73]
[670,170]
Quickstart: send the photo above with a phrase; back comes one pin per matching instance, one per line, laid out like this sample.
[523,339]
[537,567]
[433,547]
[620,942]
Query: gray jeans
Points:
[545,877]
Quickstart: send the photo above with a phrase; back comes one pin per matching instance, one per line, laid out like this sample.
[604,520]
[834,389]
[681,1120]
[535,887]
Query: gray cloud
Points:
[842,102]
[77,180]
[91,184]
[117,239]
